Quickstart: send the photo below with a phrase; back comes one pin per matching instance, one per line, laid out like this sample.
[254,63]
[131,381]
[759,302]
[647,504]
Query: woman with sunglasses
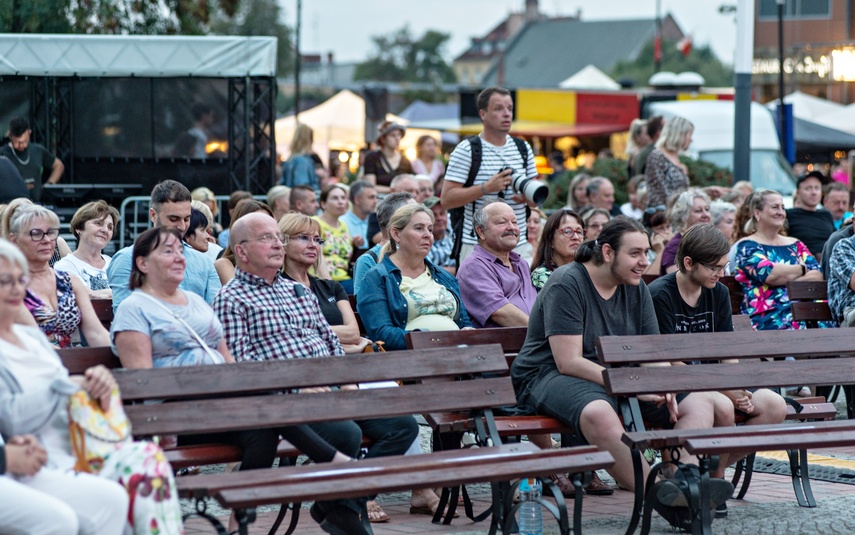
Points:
[56,301]
[563,233]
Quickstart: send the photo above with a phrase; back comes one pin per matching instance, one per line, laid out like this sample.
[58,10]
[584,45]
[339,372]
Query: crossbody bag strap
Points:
[216,357]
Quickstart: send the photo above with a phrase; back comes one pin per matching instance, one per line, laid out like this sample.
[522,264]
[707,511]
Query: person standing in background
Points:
[387,162]
[426,162]
[31,159]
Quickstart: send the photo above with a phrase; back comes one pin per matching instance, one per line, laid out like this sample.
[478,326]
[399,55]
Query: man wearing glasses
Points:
[692,300]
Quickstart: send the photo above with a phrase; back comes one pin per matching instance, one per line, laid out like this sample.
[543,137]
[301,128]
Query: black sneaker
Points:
[678,517]
[721,510]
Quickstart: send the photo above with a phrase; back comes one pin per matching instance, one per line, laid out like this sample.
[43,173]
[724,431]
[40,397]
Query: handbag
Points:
[375,347]
[96,433]
[215,357]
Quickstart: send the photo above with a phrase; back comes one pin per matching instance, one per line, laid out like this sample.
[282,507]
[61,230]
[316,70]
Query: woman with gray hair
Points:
[666,175]
[690,208]
[57,301]
[723,218]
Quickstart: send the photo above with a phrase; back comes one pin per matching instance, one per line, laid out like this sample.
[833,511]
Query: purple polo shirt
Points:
[486,285]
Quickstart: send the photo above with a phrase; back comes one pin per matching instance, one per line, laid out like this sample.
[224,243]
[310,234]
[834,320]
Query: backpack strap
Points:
[475,165]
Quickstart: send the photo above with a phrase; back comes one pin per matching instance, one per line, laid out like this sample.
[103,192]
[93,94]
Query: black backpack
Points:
[456,214]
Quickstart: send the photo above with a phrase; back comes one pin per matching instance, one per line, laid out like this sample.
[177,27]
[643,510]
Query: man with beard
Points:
[692,300]
[557,372]
[495,284]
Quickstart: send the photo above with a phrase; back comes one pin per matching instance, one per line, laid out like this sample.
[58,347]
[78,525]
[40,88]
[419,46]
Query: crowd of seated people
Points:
[180,300]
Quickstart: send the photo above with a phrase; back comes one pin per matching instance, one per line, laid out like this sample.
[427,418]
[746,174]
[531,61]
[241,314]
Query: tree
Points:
[136,17]
[260,18]
[401,58]
[701,60]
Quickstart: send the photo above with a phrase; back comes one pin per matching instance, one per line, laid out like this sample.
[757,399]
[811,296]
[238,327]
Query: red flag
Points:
[657,48]
[685,45]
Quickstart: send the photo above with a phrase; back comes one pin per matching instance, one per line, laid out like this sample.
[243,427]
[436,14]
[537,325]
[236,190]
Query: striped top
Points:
[493,158]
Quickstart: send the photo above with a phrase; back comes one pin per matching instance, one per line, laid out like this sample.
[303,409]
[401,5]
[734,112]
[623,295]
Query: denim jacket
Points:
[383,308]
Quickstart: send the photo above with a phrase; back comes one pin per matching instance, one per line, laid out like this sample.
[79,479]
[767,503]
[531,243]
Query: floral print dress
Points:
[337,249]
[58,325]
[768,306]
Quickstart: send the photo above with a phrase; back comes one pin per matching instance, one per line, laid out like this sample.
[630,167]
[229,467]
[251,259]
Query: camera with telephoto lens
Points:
[531,189]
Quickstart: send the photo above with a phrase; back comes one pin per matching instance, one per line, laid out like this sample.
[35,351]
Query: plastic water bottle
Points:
[531,518]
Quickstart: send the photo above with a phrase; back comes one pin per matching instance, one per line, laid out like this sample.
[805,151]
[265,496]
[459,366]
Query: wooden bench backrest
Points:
[736,293]
[104,311]
[510,338]
[79,359]
[809,302]
[233,404]
[624,350]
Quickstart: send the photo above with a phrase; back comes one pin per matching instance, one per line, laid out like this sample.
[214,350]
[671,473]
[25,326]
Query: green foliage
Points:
[135,17]
[701,174]
[259,18]
[701,60]
[399,57]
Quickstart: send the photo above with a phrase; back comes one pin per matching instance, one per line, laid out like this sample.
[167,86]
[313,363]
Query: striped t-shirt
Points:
[493,158]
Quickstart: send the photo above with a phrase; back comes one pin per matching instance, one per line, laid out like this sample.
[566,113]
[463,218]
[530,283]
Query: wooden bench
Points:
[809,303]
[78,359]
[104,311]
[625,380]
[207,399]
[511,339]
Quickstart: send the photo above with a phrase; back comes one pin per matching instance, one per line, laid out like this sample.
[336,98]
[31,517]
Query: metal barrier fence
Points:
[134,213]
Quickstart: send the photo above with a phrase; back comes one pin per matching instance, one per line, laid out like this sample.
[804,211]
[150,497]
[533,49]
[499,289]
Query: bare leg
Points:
[601,427]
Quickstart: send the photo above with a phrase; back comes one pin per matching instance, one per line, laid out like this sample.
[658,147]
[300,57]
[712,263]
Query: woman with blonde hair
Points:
[666,174]
[299,170]
[405,291]
[207,197]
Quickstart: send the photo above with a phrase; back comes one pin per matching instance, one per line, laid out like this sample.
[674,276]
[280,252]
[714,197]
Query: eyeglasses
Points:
[302,238]
[9,282]
[38,234]
[570,232]
[716,270]
[653,209]
[269,239]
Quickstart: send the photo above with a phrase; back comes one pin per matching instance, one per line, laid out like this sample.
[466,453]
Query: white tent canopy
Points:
[589,77]
[809,107]
[136,55]
[842,119]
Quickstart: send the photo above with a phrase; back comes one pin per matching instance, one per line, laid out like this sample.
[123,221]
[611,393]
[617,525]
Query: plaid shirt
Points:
[440,253]
[264,322]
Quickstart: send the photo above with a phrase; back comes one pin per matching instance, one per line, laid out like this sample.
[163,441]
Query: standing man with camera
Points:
[486,167]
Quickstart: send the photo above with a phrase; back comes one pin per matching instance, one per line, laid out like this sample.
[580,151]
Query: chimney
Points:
[531,10]
[330,57]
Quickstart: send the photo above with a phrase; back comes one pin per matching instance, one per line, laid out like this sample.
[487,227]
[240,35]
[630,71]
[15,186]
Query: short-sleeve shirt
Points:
[569,304]
[172,344]
[337,249]
[711,314]
[31,164]
[486,285]
[430,305]
[669,253]
[11,184]
[94,278]
[811,227]
[841,266]
[493,158]
[377,165]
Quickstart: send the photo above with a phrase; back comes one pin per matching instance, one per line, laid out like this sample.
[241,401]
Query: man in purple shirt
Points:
[495,283]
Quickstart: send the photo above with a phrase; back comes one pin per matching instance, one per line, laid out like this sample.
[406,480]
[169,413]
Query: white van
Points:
[712,140]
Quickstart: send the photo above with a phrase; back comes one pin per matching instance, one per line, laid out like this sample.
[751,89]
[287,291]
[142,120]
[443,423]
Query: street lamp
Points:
[782,116]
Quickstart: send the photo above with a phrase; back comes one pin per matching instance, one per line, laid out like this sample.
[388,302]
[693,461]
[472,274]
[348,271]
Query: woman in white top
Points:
[93,226]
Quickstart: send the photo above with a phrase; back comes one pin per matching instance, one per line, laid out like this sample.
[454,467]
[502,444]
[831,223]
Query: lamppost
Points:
[782,117]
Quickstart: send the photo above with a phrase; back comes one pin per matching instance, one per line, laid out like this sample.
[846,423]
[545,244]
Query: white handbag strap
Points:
[216,357]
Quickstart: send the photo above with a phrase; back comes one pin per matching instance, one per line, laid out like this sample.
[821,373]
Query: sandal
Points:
[376,514]
[564,485]
[598,487]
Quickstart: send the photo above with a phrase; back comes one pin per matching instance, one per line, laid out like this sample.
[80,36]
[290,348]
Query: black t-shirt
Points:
[377,165]
[31,164]
[810,227]
[712,313]
[11,184]
[329,293]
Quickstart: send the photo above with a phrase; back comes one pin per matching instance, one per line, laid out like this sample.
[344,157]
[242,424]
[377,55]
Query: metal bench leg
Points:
[644,495]
[704,518]
[801,478]
[202,512]
[746,465]
[244,518]
[283,510]
[637,459]
[558,509]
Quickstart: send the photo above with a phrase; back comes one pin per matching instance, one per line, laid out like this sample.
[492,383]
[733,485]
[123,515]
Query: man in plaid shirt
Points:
[265,316]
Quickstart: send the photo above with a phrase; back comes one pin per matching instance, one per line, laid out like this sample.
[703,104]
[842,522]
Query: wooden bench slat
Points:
[807,290]
[653,380]
[78,359]
[410,472]
[816,439]
[510,338]
[214,381]
[622,350]
[660,438]
[257,412]
[811,311]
